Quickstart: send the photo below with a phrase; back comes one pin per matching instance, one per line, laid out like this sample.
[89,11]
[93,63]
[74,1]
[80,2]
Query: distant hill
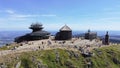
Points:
[113,38]
[8,36]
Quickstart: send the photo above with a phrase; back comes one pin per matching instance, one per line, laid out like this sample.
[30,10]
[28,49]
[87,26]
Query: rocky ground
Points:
[48,53]
[74,44]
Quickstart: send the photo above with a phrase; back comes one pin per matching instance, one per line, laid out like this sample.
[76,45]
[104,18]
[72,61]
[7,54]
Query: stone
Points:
[87,54]
[89,63]
[2,65]
[116,61]
[69,64]
[57,57]
[76,55]
[40,65]
[18,64]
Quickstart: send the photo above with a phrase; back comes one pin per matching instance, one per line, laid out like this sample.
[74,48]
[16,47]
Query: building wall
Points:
[57,36]
[30,38]
[64,35]
[90,36]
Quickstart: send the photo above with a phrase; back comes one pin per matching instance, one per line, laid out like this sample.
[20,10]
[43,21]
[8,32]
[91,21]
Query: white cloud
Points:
[10,11]
[23,16]
[30,15]
[48,15]
[13,15]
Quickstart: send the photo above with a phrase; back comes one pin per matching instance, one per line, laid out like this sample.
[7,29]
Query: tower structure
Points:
[36,27]
[106,41]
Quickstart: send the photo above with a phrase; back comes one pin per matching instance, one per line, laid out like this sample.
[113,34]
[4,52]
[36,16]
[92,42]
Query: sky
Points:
[53,14]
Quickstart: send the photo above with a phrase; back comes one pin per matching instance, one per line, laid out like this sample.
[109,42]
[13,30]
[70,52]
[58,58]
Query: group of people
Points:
[83,46]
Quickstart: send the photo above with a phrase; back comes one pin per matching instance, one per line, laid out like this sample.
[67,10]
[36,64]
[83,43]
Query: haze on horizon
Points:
[53,14]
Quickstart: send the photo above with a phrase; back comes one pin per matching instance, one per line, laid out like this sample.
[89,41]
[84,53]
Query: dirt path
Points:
[74,44]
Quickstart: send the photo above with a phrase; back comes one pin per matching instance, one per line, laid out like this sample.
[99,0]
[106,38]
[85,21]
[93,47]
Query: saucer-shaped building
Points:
[36,34]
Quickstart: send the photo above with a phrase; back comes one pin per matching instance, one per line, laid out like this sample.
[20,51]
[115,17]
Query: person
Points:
[42,42]
[49,43]
[39,47]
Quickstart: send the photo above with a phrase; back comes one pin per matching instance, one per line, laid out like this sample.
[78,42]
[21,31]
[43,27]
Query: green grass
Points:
[103,58]
[4,48]
[10,46]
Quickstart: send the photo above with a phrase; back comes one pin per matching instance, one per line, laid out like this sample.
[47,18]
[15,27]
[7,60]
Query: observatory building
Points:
[36,34]
[90,35]
[65,33]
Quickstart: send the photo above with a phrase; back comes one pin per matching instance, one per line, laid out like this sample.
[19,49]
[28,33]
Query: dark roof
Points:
[39,33]
[36,25]
[65,28]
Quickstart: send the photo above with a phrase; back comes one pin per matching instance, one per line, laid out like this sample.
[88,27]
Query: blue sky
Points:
[53,14]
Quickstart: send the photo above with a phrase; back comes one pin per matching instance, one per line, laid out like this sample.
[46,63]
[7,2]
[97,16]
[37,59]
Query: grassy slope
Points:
[105,57]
